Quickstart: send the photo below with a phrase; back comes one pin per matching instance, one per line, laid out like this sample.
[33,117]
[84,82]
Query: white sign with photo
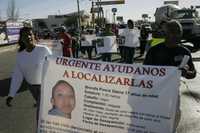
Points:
[106,44]
[130,37]
[87,41]
[83,96]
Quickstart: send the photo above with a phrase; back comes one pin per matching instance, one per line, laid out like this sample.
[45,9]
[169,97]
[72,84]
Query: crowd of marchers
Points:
[165,50]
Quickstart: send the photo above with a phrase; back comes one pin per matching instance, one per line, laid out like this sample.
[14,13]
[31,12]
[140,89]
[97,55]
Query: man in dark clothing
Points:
[143,39]
[171,53]
[162,55]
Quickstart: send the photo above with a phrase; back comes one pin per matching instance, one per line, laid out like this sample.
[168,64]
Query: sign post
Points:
[114,10]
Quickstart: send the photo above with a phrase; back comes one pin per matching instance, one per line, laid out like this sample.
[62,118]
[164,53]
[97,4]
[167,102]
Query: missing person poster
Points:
[106,44]
[121,40]
[83,96]
[129,38]
[86,40]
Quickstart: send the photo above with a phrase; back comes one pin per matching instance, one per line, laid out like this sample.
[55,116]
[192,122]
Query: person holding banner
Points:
[172,53]
[131,42]
[62,100]
[29,65]
[86,42]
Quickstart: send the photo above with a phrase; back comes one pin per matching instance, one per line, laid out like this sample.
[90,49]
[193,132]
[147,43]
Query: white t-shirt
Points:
[131,38]
[29,66]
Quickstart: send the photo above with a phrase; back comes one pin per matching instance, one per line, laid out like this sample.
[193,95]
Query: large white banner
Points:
[82,96]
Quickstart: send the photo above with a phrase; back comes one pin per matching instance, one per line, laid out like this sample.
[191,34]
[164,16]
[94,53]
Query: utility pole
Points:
[98,14]
[93,13]
[79,23]
[79,20]
[114,10]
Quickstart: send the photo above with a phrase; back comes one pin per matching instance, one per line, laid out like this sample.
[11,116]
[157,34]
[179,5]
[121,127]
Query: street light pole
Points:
[79,21]
[93,13]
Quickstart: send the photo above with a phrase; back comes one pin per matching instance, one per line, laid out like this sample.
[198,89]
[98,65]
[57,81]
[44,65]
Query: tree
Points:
[12,12]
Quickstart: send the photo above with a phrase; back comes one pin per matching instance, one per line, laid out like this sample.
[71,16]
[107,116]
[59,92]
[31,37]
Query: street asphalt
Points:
[20,118]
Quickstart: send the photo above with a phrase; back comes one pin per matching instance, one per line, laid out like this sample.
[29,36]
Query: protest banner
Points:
[83,96]
[129,37]
[106,44]
[121,40]
[87,42]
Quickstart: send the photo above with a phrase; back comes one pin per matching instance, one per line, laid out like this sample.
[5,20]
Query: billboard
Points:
[13,29]
[171,2]
[96,9]
[110,2]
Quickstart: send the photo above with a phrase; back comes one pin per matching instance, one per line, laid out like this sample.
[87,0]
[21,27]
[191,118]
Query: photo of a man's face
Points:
[63,99]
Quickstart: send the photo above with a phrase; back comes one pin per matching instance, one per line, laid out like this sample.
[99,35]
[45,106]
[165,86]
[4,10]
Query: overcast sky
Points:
[41,8]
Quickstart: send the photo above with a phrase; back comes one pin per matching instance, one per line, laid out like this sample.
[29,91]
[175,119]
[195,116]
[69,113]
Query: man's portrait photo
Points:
[63,99]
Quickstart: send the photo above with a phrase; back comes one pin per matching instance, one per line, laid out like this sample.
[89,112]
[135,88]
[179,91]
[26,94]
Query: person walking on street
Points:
[66,41]
[106,56]
[171,53]
[131,42]
[29,65]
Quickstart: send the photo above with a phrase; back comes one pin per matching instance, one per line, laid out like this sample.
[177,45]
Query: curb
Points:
[8,48]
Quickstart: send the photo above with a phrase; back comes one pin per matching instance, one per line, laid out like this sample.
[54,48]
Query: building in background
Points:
[54,21]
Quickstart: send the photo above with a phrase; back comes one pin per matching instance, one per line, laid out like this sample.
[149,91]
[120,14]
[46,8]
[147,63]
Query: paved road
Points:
[20,117]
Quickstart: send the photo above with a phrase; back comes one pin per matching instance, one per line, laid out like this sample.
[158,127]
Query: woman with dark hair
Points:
[29,65]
